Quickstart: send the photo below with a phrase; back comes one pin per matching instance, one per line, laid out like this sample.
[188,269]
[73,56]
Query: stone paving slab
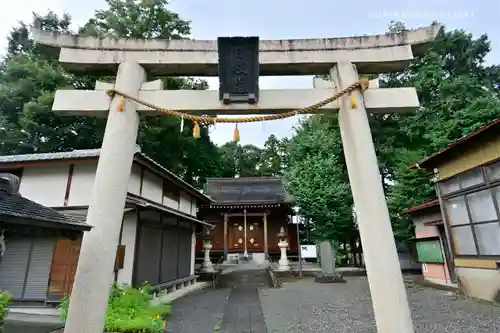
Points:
[198,312]
[307,307]
[243,313]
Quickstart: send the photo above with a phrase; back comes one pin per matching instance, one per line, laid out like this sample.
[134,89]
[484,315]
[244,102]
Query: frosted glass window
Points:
[464,241]
[481,206]
[496,194]
[493,171]
[456,211]
[488,238]
[449,186]
[471,178]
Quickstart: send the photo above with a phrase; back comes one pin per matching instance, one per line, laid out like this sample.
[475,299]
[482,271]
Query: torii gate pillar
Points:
[389,299]
[94,275]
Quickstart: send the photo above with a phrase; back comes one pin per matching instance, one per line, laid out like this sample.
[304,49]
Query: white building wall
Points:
[170,203]
[194,206]
[129,233]
[82,183]
[152,187]
[134,183]
[185,203]
[45,184]
[193,250]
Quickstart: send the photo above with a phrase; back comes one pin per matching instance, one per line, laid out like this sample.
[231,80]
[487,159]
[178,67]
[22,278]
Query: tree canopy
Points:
[458,93]
[30,75]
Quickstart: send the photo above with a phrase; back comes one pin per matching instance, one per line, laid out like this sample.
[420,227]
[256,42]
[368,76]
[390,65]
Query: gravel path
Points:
[308,307]
[199,312]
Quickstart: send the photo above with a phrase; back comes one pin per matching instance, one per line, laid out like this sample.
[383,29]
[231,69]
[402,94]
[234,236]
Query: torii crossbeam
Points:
[129,60]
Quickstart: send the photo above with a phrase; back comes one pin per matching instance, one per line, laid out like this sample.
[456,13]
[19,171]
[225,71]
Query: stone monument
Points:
[327,259]
[343,58]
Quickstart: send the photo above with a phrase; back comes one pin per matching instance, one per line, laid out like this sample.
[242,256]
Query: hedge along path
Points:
[362,84]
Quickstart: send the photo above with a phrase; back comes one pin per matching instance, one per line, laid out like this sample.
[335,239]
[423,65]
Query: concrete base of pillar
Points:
[284,265]
[207,268]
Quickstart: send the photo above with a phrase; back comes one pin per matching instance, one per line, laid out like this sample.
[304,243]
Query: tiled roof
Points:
[89,153]
[247,190]
[50,156]
[15,206]
[427,204]
[425,161]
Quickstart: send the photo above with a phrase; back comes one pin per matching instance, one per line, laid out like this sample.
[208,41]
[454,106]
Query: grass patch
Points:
[5,299]
[218,326]
[130,311]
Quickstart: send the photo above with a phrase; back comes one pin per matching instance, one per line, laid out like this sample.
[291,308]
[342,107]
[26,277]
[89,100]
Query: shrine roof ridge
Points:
[418,38]
[243,179]
[247,190]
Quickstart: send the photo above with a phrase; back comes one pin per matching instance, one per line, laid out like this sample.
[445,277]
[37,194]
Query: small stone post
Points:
[206,266]
[284,264]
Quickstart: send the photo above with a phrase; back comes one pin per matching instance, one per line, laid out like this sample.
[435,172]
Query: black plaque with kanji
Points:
[238,69]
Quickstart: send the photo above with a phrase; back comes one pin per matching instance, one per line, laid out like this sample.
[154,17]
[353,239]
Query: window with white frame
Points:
[471,204]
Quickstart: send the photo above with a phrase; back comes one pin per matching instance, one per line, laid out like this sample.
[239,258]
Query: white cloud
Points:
[14,11]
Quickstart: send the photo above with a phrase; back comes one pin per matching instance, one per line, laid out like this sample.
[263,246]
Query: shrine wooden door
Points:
[255,236]
[237,236]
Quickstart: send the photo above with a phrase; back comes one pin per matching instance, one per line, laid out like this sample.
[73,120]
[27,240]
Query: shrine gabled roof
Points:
[247,191]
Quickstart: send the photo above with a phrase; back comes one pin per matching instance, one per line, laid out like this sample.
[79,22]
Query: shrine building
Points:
[248,213]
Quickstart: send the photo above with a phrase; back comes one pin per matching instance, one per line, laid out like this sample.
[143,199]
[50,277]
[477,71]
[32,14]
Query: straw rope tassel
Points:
[236,134]
[352,100]
[196,129]
[121,105]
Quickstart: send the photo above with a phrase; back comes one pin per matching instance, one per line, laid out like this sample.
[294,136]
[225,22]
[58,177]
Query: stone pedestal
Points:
[329,278]
[207,266]
[284,264]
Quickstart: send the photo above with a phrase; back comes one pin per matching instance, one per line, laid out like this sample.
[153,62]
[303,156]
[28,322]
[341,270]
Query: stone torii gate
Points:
[130,60]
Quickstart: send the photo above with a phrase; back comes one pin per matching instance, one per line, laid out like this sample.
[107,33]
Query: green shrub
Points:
[130,311]
[4,301]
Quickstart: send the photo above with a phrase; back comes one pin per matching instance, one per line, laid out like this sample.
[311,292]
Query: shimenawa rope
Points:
[362,84]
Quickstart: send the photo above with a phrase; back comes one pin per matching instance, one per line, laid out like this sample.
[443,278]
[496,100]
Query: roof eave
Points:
[173,177]
[432,160]
[421,207]
[144,203]
[42,223]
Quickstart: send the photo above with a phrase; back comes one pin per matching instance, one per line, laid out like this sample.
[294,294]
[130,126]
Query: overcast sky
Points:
[280,19]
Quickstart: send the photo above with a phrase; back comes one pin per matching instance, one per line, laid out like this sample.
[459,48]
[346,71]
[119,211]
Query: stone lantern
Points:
[206,266]
[284,264]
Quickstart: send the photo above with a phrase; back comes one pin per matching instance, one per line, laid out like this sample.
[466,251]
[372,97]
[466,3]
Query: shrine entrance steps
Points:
[245,276]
